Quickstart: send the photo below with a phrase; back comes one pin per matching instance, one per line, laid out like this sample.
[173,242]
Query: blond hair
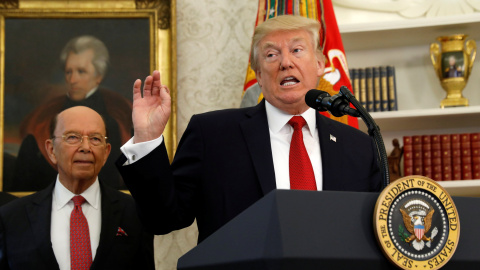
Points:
[285,23]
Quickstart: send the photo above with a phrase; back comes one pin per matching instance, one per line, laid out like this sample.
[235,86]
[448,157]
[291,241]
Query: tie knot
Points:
[297,122]
[78,200]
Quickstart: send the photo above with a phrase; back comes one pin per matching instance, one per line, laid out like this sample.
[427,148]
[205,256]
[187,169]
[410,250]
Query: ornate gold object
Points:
[416,223]
[453,61]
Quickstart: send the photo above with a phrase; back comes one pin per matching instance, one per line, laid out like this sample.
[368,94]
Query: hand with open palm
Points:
[152,111]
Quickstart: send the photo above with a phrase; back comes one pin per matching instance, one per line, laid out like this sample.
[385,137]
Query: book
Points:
[427,156]
[466,156]
[377,101]
[375,88]
[369,82]
[407,156]
[350,74]
[417,155]
[445,145]
[475,148]
[363,88]
[436,157]
[442,157]
[456,157]
[392,89]
[383,89]
[355,83]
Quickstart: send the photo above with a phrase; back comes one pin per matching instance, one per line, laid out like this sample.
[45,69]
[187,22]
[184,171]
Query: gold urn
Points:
[453,59]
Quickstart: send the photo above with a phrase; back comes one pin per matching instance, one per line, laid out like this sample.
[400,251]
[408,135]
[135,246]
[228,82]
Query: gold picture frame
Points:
[139,35]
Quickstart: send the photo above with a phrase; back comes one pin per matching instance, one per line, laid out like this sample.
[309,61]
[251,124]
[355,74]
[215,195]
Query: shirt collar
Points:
[63,195]
[277,118]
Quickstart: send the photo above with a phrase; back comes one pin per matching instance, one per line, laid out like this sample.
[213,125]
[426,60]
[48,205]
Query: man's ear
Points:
[99,79]
[50,152]
[320,66]
[258,76]
[108,148]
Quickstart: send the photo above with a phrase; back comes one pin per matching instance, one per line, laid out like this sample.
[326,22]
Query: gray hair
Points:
[285,23]
[80,44]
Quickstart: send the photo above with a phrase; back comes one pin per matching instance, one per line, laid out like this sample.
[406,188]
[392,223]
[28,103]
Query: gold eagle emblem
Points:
[410,223]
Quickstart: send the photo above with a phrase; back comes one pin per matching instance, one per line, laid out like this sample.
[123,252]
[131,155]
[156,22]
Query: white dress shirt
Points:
[62,206]
[134,152]
[280,136]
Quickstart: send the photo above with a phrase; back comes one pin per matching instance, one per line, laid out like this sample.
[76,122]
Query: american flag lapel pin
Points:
[333,138]
[121,232]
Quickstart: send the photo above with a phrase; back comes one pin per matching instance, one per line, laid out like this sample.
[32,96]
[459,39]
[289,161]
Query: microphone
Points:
[336,105]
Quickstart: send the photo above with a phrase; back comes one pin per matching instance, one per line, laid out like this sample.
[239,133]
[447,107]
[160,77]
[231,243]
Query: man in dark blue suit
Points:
[40,231]
[227,160]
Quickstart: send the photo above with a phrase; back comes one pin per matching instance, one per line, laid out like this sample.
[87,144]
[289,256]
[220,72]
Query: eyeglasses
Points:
[76,139]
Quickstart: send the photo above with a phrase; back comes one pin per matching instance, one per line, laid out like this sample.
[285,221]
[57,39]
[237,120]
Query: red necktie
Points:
[301,170]
[80,250]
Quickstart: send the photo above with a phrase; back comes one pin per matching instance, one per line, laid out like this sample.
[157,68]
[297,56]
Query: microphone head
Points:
[313,99]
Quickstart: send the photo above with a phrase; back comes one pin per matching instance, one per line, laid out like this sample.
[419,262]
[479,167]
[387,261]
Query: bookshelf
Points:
[464,188]
[419,31]
[397,124]
[427,119]
[405,45]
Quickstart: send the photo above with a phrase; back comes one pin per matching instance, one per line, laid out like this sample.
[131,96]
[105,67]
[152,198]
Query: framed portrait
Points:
[453,64]
[45,45]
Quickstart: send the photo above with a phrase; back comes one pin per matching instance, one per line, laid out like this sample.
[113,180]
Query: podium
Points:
[291,229]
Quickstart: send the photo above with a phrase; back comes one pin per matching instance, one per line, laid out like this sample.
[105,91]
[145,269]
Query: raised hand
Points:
[150,112]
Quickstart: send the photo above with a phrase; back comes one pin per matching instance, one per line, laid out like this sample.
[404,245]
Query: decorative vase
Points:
[453,59]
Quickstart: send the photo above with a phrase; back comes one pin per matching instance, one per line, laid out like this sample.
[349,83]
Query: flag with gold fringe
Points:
[336,68]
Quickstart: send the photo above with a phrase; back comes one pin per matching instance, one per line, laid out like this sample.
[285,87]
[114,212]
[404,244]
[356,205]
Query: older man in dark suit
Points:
[227,160]
[77,222]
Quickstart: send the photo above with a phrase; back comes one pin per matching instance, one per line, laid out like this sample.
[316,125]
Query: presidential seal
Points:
[416,223]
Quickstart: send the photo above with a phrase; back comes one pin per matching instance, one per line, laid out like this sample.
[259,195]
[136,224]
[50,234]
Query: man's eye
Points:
[72,137]
[95,139]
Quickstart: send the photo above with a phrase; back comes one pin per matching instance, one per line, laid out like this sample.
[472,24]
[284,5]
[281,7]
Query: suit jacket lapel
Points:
[257,136]
[331,148]
[111,216]
[39,214]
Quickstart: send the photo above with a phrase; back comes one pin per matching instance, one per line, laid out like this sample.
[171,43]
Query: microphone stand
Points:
[373,131]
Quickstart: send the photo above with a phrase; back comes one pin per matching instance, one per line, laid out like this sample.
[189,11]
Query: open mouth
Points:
[288,81]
